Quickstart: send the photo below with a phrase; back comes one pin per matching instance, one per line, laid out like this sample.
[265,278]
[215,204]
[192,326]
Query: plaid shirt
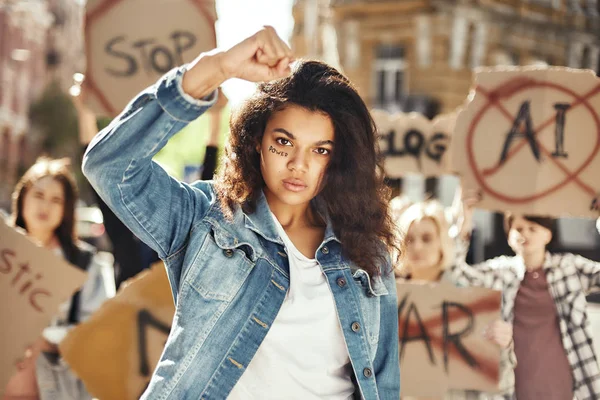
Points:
[569,278]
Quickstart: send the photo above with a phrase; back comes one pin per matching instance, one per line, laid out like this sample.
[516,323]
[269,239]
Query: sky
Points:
[239,19]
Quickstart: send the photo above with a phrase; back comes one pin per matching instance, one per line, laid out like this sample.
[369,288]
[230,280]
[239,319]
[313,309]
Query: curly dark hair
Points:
[354,194]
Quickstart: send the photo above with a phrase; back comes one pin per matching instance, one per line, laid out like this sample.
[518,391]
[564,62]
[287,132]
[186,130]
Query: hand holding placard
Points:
[33,283]
[441,341]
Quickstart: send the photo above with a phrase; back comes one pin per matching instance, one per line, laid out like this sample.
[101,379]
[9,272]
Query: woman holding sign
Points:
[544,298]
[44,207]
[280,268]
[428,252]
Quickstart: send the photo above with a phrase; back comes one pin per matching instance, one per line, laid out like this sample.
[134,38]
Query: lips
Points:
[294,184]
[43,217]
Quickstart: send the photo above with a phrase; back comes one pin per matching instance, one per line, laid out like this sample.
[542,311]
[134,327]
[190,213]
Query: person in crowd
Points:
[428,252]
[544,297]
[44,208]
[126,248]
[281,267]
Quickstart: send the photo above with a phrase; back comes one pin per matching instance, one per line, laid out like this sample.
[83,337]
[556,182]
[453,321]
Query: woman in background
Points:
[44,207]
[428,253]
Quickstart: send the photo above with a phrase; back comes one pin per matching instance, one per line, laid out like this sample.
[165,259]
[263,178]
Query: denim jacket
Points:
[228,277]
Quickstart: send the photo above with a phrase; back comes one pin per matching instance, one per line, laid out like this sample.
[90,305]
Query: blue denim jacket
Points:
[229,278]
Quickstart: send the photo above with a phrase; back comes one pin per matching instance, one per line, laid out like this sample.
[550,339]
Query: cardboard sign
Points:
[411,143]
[116,351]
[441,342]
[131,43]
[530,139]
[33,283]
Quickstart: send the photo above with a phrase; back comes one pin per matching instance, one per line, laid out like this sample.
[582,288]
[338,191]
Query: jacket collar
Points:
[261,222]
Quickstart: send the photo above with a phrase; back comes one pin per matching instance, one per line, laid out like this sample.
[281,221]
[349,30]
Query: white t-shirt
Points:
[304,354]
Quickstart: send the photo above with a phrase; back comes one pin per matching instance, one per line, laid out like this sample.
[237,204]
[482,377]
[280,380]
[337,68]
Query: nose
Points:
[298,161]
[415,246]
[44,205]
[521,237]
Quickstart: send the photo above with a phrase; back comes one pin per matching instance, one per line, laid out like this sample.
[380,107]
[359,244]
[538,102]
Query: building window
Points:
[547,3]
[586,60]
[575,6]
[390,74]
[591,7]
[23,154]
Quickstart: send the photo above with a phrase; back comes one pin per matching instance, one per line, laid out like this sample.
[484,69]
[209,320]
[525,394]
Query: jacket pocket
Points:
[221,266]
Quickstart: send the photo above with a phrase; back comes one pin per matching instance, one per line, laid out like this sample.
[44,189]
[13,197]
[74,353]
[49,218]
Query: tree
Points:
[54,131]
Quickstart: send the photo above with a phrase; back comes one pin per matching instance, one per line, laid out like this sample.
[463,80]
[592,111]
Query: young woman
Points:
[427,256]
[280,269]
[44,207]
[544,298]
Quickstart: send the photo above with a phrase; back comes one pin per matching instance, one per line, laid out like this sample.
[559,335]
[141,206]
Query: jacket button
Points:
[367,372]
[228,253]
[355,326]
[325,250]
[341,282]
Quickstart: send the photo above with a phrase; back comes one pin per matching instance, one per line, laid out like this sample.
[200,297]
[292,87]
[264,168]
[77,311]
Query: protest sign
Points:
[131,43]
[411,143]
[529,137]
[117,349]
[33,283]
[441,342]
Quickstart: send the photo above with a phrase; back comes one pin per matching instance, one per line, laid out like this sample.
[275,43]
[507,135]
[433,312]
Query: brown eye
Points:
[283,141]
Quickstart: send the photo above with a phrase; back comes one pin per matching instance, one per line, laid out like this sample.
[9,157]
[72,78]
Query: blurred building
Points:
[417,55]
[40,40]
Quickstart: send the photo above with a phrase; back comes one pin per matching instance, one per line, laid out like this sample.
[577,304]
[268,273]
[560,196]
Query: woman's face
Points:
[43,206]
[295,151]
[423,244]
[526,237]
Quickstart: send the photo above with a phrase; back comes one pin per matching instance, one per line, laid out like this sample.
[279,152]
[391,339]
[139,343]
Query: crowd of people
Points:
[544,328]
[284,267]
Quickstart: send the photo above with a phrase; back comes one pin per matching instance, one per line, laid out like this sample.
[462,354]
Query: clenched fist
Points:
[261,57]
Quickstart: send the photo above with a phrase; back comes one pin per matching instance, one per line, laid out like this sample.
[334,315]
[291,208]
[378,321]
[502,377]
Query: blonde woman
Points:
[427,256]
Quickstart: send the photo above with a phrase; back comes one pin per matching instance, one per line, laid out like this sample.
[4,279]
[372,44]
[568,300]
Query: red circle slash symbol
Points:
[508,89]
